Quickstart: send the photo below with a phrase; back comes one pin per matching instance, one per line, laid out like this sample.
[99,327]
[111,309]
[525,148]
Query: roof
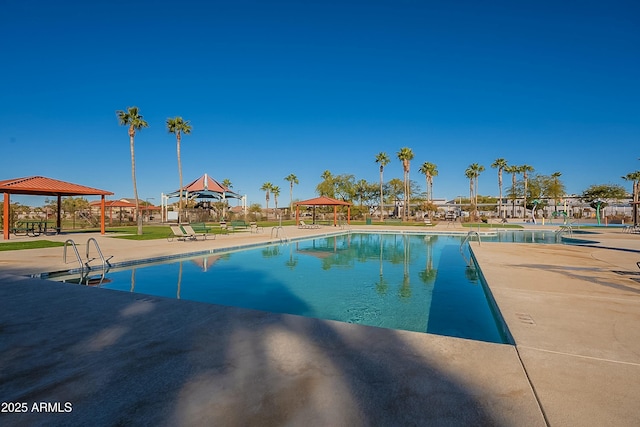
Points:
[43,186]
[322,201]
[205,186]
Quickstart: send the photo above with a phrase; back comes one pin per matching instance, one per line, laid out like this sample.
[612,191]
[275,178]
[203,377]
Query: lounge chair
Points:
[189,230]
[305,225]
[180,234]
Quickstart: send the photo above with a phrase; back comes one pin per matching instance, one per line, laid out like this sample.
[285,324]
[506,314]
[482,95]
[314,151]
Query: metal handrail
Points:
[105,262]
[277,230]
[468,238]
[75,249]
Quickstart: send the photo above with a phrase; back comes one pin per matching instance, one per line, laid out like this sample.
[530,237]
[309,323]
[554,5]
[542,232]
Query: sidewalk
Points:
[130,359]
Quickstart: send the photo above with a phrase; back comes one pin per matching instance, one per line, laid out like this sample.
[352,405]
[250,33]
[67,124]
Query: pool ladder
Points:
[83,264]
[278,232]
[565,229]
[468,238]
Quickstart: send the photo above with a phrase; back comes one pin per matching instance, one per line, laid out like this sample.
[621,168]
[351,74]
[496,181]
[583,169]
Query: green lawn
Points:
[35,244]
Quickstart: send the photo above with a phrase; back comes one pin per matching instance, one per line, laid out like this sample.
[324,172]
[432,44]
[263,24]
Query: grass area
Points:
[35,244]
[484,225]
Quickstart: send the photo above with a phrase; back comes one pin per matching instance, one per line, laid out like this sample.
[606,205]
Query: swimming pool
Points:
[411,282]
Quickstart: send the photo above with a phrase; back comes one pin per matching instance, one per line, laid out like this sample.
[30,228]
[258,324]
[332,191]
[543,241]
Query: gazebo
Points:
[42,186]
[324,201]
[206,187]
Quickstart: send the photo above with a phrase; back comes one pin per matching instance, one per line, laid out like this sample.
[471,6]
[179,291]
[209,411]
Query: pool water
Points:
[417,283]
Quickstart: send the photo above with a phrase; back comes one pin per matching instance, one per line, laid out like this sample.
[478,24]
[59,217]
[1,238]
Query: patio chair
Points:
[305,225]
[189,230]
[179,234]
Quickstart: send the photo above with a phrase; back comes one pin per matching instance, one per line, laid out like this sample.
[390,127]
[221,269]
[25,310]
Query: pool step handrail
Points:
[105,262]
[468,238]
[279,233]
[75,249]
[565,229]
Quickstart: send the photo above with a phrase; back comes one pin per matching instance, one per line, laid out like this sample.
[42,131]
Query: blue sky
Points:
[279,87]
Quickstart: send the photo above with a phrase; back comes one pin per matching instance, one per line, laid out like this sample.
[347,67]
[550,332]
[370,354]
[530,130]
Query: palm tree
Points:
[500,164]
[266,187]
[473,173]
[555,189]
[513,170]
[635,178]
[134,120]
[178,127]
[275,190]
[470,173]
[292,179]
[524,169]
[405,155]
[227,183]
[383,160]
[429,170]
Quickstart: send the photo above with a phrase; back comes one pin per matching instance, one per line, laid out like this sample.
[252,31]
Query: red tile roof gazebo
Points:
[324,201]
[42,186]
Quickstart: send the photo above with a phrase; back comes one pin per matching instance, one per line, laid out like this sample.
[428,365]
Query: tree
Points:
[429,170]
[178,126]
[326,187]
[383,160]
[473,173]
[470,174]
[134,121]
[599,194]
[555,189]
[275,191]
[513,192]
[499,164]
[634,177]
[524,169]
[266,187]
[405,155]
[227,183]
[292,179]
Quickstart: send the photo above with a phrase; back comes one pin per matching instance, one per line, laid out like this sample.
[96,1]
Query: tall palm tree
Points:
[227,183]
[275,191]
[500,164]
[266,187]
[524,170]
[383,160]
[555,189]
[292,179]
[635,178]
[178,126]
[470,174]
[405,155]
[475,171]
[513,170]
[134,120]
[429,170]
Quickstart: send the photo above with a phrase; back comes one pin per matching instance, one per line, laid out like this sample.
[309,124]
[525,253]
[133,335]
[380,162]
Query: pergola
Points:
[42,186]
[324,201]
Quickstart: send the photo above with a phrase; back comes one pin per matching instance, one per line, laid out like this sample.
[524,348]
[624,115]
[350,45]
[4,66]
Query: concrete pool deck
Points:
[130,359]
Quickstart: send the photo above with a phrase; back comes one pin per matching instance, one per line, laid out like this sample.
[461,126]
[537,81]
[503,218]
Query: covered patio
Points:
[43,186]
[324,201]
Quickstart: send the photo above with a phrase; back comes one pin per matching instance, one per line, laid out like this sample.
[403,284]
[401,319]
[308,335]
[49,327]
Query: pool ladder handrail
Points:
[468,238]
[565,229]
[105,262]
[75,249]
[277,230]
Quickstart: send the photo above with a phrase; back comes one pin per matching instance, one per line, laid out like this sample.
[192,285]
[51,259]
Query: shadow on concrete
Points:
[128,359]
[587,276]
